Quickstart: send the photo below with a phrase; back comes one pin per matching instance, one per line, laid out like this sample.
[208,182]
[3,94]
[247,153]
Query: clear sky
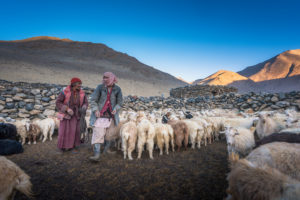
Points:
[187,38]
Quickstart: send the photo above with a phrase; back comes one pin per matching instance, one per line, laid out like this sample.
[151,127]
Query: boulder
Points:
[35,91]
[10,105]
[9,100]
[46,99]
[29,107]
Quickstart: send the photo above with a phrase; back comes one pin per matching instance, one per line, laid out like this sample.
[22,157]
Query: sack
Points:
[102,123]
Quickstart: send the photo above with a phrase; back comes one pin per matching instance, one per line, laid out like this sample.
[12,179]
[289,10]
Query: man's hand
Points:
[113,112]
[84,107]
[97,113]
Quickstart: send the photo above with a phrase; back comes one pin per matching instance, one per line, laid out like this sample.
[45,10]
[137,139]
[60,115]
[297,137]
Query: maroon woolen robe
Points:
[69,129]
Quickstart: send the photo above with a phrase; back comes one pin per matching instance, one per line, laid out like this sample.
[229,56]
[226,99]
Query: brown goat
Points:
[181,133]
[33,131]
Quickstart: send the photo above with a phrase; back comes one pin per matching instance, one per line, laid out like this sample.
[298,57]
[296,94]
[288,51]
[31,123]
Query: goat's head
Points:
[230,133]
[28,126]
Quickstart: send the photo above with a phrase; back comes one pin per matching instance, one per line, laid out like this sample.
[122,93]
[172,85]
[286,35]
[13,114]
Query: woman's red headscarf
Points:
[112,79]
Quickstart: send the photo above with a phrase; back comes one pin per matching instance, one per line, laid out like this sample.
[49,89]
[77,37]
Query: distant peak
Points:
[41,38]
[295,51]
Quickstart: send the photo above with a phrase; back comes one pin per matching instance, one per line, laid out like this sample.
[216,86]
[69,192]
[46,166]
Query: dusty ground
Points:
[191,174]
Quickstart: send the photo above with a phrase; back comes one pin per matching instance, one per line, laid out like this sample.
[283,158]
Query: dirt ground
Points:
[191,174]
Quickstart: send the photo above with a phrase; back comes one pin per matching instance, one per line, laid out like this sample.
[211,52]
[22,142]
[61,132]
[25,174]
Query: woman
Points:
[70,104]
[106,101]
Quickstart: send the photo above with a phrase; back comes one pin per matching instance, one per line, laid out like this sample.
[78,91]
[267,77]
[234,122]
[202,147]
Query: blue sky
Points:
[187,38]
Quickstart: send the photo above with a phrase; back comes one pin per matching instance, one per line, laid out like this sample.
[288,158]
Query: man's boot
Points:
[107,148]
[96,156]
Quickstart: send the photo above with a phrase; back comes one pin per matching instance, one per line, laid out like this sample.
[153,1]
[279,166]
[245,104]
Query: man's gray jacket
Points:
[99,97]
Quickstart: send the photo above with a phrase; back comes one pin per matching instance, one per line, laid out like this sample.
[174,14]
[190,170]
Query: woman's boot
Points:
[96,156]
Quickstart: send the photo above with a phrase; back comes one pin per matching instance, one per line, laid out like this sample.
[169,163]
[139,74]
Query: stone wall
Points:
[251,102]
[30,100]
[200,90]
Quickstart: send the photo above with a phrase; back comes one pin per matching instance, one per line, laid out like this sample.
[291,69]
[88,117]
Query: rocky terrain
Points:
[56,61]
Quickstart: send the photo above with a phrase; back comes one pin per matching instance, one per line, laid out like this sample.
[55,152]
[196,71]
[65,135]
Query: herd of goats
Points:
[263,147]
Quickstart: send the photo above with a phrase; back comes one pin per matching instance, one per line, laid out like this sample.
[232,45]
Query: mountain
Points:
[53,60]
[286,64]
[278,74]
[222,77]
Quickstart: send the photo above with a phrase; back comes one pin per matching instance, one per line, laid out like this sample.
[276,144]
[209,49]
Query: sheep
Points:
[239,140]
[266,126]
[193,128]
[204,131]
[152,118]
[21,129]
[283,156]
[13,178]
[8,147]
[33,131]
[146,134]
[240,122]
[217,125]
[181,133]
[47,126]
[128,134]
[164,135]
[171,136]
[57,122]
[272,171]
[291,130]
[292,121]
[8,131]
[249,182]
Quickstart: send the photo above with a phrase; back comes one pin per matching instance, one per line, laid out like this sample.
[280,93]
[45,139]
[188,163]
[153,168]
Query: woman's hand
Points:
[70,111]
[113,112]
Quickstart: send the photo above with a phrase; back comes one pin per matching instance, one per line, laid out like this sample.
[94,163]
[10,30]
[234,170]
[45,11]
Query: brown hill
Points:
[53,60]
[222,77]
[286,64]
[278,74]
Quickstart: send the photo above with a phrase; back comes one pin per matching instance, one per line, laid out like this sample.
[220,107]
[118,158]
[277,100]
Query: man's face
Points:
[106,80]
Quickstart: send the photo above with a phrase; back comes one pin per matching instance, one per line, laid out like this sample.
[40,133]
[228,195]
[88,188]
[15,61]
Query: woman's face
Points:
[77,86]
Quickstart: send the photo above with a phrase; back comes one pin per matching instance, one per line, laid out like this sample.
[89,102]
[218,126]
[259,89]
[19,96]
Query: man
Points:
[106,101]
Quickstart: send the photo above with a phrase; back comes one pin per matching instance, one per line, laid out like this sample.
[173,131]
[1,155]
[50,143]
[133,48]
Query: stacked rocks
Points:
[31,100]
[250,102]
[200,90]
